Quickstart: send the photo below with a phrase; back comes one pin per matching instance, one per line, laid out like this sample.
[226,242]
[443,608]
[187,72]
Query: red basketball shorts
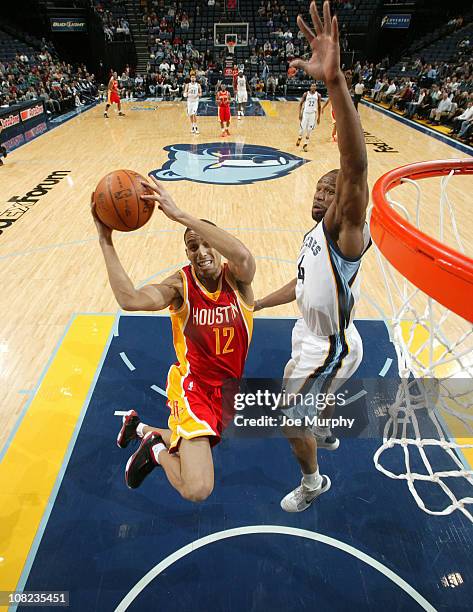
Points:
[224,114]
[197,410]
[114,98]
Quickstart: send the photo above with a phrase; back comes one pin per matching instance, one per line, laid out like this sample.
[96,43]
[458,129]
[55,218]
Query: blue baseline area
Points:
[208,108]
[102,538]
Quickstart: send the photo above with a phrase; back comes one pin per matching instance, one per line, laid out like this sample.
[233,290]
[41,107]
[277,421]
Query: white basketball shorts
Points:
[319,364]
[192,106]
[308,122]
[242,96]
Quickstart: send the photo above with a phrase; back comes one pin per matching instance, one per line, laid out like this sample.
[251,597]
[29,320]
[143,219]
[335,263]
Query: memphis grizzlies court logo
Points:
[223,163]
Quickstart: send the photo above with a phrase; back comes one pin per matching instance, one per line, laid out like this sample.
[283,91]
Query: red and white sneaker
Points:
[127,433]
[142,462]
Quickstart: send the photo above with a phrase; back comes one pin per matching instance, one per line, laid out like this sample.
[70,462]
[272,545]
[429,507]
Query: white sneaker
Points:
[325,439]
[239,117]
[302,497]
[197,130]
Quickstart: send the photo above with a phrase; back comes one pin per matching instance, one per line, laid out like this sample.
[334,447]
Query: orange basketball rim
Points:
[438,270]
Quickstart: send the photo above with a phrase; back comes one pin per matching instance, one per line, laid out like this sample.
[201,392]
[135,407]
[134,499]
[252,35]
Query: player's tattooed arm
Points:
[150,297]
[240,261]
[284,295]
[346,216]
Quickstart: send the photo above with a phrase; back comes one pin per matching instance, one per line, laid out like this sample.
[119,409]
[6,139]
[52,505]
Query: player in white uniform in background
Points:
[309,114]
[242,94]
[193,91]
[326,346]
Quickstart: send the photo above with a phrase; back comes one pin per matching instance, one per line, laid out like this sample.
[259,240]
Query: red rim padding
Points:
[441,272]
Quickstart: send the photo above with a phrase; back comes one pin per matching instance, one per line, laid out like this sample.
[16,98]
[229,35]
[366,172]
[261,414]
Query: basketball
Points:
[118,202]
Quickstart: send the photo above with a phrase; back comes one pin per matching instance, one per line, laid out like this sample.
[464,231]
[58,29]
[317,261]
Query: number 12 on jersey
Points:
[220,335]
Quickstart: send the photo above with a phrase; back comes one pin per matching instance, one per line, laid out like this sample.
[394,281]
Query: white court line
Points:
[158,390]
[120,413]
[116,332]
[355,397]
[274,529]
[386,366]
[127,362]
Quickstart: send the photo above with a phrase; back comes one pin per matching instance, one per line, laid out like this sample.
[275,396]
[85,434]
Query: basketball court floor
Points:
[70,360]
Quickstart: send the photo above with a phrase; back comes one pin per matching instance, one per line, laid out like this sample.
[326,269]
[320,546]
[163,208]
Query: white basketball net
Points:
[435,345]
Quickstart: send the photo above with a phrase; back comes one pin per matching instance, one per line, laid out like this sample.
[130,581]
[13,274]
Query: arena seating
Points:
[10,47]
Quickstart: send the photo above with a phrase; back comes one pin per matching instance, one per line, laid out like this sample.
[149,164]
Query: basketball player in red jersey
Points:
[211,309]
[235,72]
[223,103]
[113,96]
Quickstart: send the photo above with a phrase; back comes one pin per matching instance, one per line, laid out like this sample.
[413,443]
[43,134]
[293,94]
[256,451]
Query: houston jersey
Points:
[311,103]
[114,85]
[328,284]
[223,98]
[211,331]
[193,92]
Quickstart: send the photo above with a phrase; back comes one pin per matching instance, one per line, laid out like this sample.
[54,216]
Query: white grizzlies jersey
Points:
[328,284]
[311,103]
[193,92]
[241,83]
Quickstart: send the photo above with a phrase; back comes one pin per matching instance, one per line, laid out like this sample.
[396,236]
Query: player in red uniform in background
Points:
[223,103]
[235,72]
[113,96]
[212,320]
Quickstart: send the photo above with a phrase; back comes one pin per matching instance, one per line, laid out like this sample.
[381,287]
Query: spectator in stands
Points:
[259,88]
[404,95]
[265,71]
[431,73]
[52,106]
[389,93]
[376,88]
[381,90]
[271,85]
[413,105]
[443,108]
[174,89]
[466,116]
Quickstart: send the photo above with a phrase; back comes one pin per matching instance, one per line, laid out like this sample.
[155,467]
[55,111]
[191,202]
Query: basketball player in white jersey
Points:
[242,94]
[309,114]
[193,91]
[326,346]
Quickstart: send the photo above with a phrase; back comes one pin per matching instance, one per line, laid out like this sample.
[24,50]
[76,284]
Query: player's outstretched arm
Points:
[150,297]
[346,217]
[240,261]
[284,295]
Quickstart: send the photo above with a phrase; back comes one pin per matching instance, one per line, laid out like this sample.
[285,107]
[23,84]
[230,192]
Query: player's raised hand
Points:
[164,200]
[324,64]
